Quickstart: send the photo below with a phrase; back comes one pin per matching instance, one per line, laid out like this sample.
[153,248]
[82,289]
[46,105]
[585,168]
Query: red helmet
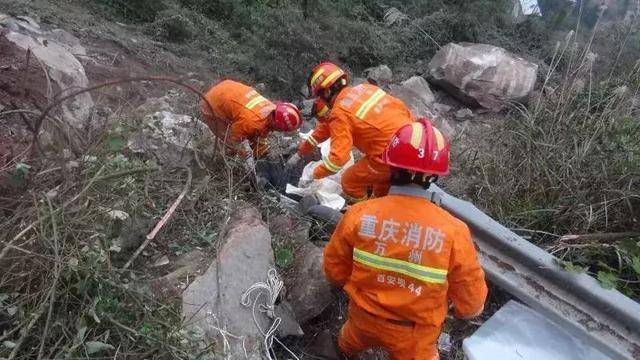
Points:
[418,147]
[323,77]
[320,110]
[286,117]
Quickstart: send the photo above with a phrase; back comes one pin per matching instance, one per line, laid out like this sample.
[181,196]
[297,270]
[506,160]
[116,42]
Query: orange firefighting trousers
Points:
[364,175]
[403,342]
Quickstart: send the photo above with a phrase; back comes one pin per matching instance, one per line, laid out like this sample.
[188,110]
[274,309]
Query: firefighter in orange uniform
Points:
[363,116]
[320,134]
[241,113]
[401,259]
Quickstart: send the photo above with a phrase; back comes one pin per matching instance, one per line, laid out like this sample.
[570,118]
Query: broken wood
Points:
[162,221]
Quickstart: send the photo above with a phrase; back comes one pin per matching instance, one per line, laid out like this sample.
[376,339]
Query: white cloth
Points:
[328,190]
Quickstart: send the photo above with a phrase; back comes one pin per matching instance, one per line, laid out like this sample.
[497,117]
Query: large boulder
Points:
[482,75]
[211,305]
[54,50]
[415,92]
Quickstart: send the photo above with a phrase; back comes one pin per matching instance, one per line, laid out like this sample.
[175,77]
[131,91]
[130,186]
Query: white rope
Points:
[271,289]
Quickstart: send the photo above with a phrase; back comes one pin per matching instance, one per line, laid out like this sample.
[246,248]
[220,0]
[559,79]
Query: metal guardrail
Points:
[606,318]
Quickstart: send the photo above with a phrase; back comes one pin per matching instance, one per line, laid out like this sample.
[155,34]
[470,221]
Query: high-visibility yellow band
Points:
[323,111]
[312,141]
[354,200]
[255,101]
[263,141]
[316,76]
[419,272]
[370,103]
[330,166]
[331,77]
[416,134]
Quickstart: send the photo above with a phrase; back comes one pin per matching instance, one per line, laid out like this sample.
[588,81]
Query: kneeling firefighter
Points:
[402,259]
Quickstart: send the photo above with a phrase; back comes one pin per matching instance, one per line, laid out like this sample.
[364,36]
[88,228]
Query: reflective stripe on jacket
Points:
[363,116]
[402,257]
[243,107]
[317,137]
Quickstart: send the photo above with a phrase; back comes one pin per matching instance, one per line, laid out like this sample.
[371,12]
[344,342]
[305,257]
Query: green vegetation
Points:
[568,165]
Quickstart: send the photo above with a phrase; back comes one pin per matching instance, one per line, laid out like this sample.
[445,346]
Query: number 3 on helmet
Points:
[419,147]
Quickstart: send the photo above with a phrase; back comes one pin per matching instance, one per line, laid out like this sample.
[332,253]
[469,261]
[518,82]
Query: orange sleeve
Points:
[338,255]
[341,143]
[321,133]
[467,286]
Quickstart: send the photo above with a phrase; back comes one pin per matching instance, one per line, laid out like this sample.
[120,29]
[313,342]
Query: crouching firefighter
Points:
[240,113]
[363,116]
[402,259]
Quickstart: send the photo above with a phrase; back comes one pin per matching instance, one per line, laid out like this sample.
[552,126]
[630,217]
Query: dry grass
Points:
[570,164]
[70,227]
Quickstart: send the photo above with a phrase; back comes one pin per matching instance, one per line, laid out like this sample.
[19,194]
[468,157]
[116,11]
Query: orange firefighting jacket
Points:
[243,108]
[320,134]
[401,257]
[363,116]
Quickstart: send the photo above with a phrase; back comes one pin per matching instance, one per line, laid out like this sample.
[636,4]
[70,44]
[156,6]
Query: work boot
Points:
[324,347]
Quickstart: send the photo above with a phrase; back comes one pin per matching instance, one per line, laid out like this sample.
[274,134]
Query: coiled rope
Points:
[271,289]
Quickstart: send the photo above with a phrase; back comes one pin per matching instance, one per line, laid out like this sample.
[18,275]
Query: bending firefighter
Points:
[401,259]
[363,116]
[241,113]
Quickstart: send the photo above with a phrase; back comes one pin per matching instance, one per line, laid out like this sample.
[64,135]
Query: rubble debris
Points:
[381,75]
[464,114]
[172,139]
[163,261]
[172,284]
[415,92]
[441,108]
[482,75]
[211,304]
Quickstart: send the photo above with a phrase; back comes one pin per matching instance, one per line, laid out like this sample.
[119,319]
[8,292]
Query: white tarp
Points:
[516,332]
[328,190]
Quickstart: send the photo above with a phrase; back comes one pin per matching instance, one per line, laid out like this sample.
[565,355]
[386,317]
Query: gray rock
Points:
[56,50]
[482,75]
[441,108]
[464,114]
[68,41]
[304,91]
[310,292]
[306,108]
[382,75]
[212,301]
[171,285]
[415,92]
[421,88]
